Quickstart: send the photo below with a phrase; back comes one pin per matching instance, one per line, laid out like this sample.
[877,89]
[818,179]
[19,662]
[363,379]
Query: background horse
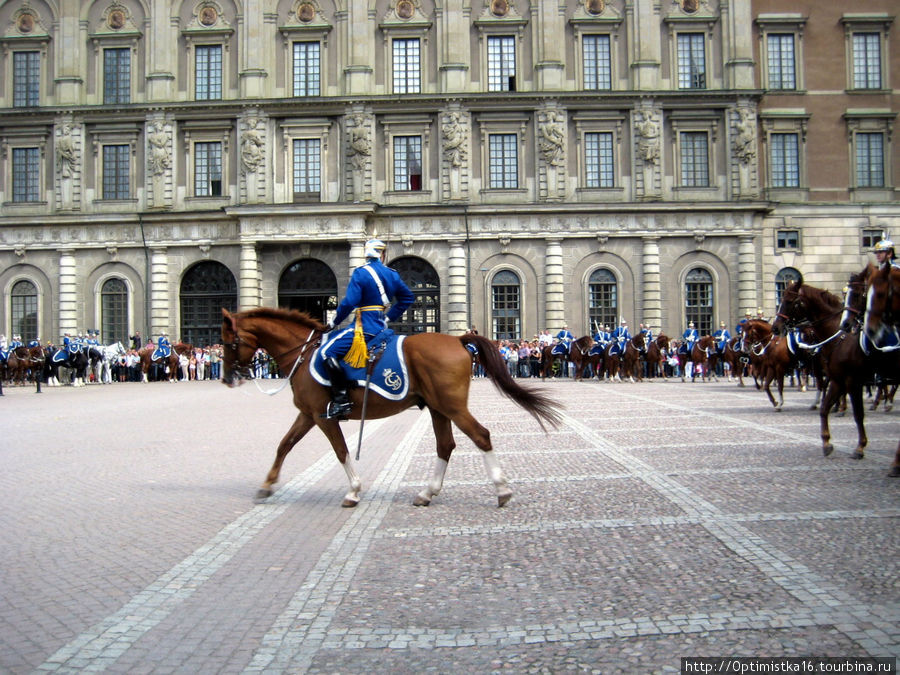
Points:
[702,353]
[735,358]
[23,359]
[657,352]
[77,363]
[770,357]
[109,354]
[170,363]
[439,370]
[631,358]
[579,355]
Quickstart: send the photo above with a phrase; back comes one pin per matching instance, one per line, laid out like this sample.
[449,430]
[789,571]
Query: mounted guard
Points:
[564,342]
[371,289]
[721,336]
[689,338]
[163,348]
[620,336]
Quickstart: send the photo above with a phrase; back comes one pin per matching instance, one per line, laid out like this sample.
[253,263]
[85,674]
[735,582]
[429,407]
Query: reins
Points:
[303,347]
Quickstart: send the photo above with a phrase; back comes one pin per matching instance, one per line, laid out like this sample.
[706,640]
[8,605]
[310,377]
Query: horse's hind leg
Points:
[859,412]
[443,433]
[298,430]
[482,438]
[895,467]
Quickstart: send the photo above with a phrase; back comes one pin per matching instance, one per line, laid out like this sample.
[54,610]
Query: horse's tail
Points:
[538,405]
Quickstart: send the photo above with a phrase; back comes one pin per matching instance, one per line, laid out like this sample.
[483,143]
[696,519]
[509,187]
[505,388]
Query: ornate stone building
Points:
[530,163]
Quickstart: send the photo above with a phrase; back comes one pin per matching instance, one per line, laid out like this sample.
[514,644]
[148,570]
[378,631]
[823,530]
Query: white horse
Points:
[103,367]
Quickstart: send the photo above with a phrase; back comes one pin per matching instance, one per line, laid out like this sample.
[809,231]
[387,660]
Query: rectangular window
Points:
[116,184]
[501,63]
[407,162]
[503,158]
[869,160]
[26,172]
[307,69]
[870,238]
[866,61]
[597,63]
[691,61]
[407,66]
[780,56]
[307,169]
[208,169]
[208,72]
[787,239]
[694,159]
[784,160]
[26,79]
[598,160]
[117,75]
[24,315]
[505,312]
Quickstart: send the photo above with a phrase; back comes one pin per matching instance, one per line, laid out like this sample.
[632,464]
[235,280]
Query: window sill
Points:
[872,194]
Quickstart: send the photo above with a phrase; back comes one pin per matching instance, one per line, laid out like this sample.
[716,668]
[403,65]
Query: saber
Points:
[362,416]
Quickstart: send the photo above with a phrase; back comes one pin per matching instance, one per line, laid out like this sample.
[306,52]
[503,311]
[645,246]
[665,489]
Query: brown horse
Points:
[579,355]
[21,360]
[818,314]
[735,358]
[657,352]
[701,352]
[631,358]
[881,323]
[439,370]
[770,356]
[171,363]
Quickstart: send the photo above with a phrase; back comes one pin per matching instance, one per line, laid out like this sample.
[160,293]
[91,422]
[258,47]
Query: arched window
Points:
[506,306]
[114,311]
[24,310]
[205,289]
[603,300]
[783,279]
[308,286]
[425,313]
[698,294]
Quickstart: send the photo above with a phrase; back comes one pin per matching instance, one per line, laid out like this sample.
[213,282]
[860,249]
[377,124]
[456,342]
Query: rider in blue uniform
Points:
[721,336]
[739,329]
[163,346]
[371,288]
[648,335]
[690,336]
[565,338]
[620,336]
[16,342]
[884,253]
[602,336]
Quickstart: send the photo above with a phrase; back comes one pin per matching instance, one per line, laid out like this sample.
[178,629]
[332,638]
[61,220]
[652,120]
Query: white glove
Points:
[329,327]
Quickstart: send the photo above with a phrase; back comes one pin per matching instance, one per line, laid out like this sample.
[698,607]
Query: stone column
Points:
[646,40]
[555,316]
[748,298]
[457,295]
[159,293]
[357,256]
[250,277]
[652,310]
[68,293]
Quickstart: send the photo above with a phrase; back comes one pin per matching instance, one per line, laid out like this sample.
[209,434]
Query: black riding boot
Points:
[339,407]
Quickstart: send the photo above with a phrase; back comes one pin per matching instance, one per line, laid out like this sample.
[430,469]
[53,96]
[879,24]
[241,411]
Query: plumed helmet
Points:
[884,245]
[374,248]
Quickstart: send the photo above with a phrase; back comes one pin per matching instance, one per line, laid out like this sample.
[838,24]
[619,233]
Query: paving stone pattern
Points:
[661,520]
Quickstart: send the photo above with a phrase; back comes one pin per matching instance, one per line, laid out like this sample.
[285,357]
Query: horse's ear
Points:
[228,320]
[800,280]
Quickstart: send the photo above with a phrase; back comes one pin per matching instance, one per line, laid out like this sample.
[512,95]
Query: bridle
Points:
[243,371]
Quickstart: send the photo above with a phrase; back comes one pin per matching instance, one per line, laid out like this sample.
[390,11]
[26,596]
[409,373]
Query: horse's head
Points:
[792,309]
[855,298]
[237,351]
[882,317]
[757,330]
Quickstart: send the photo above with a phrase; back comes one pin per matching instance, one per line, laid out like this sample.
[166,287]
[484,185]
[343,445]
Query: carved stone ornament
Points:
[25,23]
[405,9]
[208,16]
[594,7]
[407,243]
[699,237]
[116,19]
[204,249]
[499,7]
[20,250]
[602,239]
[306,12]
[504,241]
[113,251]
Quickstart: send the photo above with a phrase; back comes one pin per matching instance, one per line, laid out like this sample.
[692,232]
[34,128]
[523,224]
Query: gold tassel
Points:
[357,355]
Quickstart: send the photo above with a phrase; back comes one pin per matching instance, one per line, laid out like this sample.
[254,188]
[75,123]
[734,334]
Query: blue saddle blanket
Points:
[560,349]
[160,354]
[596,349]
[61,356]
[389,378]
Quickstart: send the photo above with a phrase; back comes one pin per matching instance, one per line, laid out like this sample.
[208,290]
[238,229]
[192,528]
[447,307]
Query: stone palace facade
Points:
[530,163]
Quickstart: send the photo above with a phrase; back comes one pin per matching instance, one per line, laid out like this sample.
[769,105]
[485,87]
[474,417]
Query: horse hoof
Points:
[827,449]
[503,500]
[895,472]
[857,455]
[349,503]
[262,495]
[421,501]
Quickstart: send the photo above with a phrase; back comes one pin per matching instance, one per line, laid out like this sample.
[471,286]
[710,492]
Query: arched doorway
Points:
[308,286]
[114,311]
[424,316]
[699,306]
[206,288]
[506,308]
[784,278]
[24,314]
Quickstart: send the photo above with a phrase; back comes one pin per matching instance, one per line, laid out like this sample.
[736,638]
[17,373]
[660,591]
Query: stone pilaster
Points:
[250,294]
[356,257]
[68,292]
[159,293]
[642,19]
[555,290]
[457,295]
[160,136]
[254,158]
[748,297]
[651,312]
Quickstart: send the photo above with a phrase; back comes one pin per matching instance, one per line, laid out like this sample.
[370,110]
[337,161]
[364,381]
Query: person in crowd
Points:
[215,358]
[371,288]
[524,358]
[136,342]
[545,339]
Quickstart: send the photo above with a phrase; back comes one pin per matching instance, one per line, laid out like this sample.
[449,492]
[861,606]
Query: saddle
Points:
[560,349]
[389,377]
[161,354]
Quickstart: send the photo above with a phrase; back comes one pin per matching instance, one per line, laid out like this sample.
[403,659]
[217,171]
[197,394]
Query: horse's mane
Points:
[278,313]
[825,297]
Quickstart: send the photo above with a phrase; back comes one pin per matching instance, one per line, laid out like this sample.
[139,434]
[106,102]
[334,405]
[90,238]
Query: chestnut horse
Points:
[842,361]
[21,360]
[578,355]
[657,352]
[439,370]
[146,356]
[881,323]
[770,357]
[735,358]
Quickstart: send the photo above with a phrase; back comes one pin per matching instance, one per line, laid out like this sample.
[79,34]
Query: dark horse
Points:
[657,352]
[881,323]
[22,359]
[770,357]
[702,353]
[77,362]
[439,368]
[818,315]
[579,355]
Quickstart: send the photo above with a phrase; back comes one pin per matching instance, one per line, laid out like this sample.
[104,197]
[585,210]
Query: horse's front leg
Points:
[859,412]
[832,392]
[443,434]
[332,431]
[298,430]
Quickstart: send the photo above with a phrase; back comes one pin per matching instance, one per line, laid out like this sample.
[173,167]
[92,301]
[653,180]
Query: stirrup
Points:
[337,411]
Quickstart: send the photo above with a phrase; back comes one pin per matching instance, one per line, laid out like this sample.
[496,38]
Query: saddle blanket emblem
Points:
[389,379]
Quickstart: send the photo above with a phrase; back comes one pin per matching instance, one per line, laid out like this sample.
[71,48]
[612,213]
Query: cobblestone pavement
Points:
[661,520]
